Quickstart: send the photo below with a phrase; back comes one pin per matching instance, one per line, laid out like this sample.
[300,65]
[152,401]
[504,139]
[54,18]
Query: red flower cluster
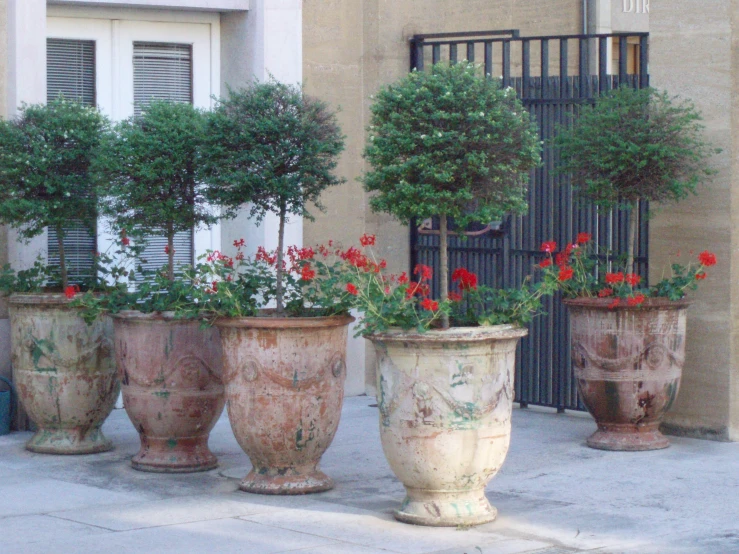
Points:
[565,273]
[707,258]
[367,240]
[615,278]
[605,293]
[584,238]
[466,280]
[632,279]
[264,256]
[424,272]
[549,247]
[71,291]
[351,289]
[306,273]
[239,243]
[125,241]
[636,300]
[217,256]
[455,296]
[430,305]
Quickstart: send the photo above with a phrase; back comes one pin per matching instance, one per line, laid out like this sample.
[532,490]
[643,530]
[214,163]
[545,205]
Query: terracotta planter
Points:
[445,400]
[285,388]
[172,389]
[64,373]
[628,363]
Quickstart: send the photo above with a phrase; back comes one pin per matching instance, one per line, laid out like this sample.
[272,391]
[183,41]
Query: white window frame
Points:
[114,40]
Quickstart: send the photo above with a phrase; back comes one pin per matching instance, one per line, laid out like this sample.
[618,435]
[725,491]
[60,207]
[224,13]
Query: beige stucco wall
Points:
[692,55]
[353,47]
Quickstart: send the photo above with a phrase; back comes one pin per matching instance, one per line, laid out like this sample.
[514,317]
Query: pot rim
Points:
[160,317]
[657,303]
[39,299]
[455,334]
[263,322]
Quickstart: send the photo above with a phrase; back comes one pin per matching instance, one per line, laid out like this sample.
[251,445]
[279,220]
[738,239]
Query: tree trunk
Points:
[631,238]
[62,256]
[444,264]
[170,252]
[280,256]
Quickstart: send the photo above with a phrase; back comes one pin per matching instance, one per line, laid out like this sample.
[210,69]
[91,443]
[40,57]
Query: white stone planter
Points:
[445,401]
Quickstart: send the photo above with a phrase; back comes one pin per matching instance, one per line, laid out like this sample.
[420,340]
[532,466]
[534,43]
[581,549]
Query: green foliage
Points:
[271,146]
[239,286]
[449,141]
[45,158]
[579,271]
[148,172]
[489,306]
[635,145]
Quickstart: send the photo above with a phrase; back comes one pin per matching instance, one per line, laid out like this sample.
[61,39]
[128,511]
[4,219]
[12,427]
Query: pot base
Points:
[446,509]
[69,441]
[627,440]
[189,455]
[286,481]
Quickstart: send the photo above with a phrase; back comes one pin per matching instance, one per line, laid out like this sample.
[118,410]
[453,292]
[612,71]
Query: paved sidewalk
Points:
[554,495]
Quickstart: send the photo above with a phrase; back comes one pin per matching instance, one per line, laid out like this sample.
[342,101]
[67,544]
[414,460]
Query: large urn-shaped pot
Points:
[628,362]
[64,371]
[445,400]
[171,373]
[285,389]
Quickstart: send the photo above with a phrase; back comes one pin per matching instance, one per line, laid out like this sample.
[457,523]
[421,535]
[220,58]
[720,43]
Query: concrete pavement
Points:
[554,495]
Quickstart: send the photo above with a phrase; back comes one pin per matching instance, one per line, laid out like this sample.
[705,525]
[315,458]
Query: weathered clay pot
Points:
[285,388]
[445,400]
[628,362]
[64,371]
[171,373]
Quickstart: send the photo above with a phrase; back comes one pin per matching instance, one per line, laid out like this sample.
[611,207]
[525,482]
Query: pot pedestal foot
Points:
[627,440]
[446,509]
[188,455]
[69,441]
[286,481]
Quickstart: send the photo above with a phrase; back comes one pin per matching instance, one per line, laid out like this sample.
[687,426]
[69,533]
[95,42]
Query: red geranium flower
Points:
[430,305]
[239,243]
[583,238]
[351,289]
[306,273]
[605,293]
[707,258]
[403,279]
[700,276]
[545,263]
[562,258]
[549,246]
[616,302]
[455,297]
[612,278]
[424,271]
[565,274]
[367,240]
[466,279]
[632,278]
[71,290]
[636,300]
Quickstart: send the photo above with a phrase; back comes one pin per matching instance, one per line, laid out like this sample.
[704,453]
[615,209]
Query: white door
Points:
[137,60]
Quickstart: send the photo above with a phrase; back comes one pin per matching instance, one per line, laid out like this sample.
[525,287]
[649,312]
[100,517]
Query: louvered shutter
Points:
[163,71]
[71,72]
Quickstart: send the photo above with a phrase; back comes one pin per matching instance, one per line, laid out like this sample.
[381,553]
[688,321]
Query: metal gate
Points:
[554,76]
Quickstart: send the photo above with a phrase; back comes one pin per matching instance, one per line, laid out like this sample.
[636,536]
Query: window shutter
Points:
[71,72]
[163,71]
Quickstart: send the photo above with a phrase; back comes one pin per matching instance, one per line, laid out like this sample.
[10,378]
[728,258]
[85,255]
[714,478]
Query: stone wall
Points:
[692,55]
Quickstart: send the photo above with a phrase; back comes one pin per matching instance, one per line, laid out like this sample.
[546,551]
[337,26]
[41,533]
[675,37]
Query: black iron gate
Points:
[554,76]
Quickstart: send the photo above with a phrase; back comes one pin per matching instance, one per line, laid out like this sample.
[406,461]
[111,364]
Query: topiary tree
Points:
[45,180]
[274,147]
[449,143]
[635,145]
[148,170]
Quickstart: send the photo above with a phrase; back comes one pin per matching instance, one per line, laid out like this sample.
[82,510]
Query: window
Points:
[163,71]
[71,73]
